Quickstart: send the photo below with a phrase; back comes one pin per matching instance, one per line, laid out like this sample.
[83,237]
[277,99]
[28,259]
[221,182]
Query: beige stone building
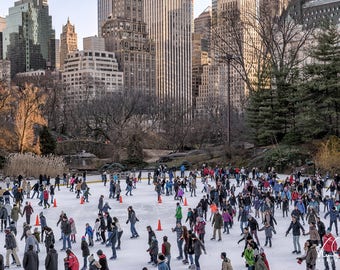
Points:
[68,42]
[125,34]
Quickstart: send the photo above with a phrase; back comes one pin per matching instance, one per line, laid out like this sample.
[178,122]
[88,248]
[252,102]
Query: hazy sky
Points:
[82,13]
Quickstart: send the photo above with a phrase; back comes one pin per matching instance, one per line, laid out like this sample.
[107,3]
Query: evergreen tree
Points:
[47,142]
[320,97]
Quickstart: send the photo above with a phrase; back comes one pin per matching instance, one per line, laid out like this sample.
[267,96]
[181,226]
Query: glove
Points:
[127,222]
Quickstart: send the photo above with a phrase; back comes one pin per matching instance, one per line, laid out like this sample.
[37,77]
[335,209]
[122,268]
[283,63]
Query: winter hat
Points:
[329,230]
[161,257]
[83,238]
[224,254]
[99,252]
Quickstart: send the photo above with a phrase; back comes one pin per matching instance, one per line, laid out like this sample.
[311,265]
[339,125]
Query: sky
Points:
[83,16]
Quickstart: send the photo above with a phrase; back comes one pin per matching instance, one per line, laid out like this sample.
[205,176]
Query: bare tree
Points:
[28,114]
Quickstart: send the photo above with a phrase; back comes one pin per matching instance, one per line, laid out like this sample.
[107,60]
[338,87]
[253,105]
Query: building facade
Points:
[27,36]
[312,13]
[90,74]
[201,39]
[105,9]
[2,28]
[5,71]
[169,25]
[126,35]
[68,42]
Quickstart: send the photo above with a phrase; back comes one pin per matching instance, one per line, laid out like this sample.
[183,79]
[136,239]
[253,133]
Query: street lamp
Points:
[229,58]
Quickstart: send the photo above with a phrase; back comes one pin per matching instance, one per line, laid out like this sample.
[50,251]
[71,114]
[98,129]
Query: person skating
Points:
[119,232]
[198,247]
[249,257]
[329,249]
[132,219]
[259,262]
[153,250]
[268,230]
[102,260]
[178,214]
[310,256]
[71,261]
[89,234]
[66,232]
[333,219]
[28,211]
[51,260]
[217,222]
[166,250]
[11,246]
[112,239]
[179,232]
[226,263]
[296,228]
[85,251]
[161,262]
[31,259]
[151,234]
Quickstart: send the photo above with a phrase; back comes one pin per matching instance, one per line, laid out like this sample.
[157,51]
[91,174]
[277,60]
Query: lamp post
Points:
[228,58]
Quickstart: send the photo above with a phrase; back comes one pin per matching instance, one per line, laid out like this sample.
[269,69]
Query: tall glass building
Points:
[29,37]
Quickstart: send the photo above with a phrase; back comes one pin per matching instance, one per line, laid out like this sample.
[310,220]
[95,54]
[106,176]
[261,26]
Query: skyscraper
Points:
[2,27]
[27,36]
[169,25]
[105,9]
[126,35]
[201,49]
[68,42]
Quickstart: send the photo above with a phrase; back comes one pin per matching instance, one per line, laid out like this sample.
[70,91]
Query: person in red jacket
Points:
[45,194]
[329,248]
[71,261]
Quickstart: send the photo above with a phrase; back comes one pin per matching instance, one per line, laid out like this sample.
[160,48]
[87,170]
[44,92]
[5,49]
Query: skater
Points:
[102,260]
[226,263]
[178,214]
[112,240]
[310,256]
[329,249]
[51,260]
[89,233]
[31,259]
[166,250]
[119,231]
[132,219]
[28,210]
[161,262]
[217,222]
[11,247]
[85,251]
[296,227]
[71,261]
[269,230]
[179,232]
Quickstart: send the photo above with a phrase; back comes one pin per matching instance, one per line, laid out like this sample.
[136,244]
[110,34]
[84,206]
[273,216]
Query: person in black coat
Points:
[31,259]
[85,251]
[1,262]
[51,260]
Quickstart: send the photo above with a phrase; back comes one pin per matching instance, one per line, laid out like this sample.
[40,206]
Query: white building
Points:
[90,74]
[94,43]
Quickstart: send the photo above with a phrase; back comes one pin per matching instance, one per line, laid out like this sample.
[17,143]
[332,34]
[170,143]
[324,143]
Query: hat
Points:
[83,238]
[161,257]
[329,230]
[224,254]
[256,252]
[99,252]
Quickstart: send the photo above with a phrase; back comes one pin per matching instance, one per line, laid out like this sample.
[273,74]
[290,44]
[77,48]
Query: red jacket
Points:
[329,243]
[72,261]
[45,195]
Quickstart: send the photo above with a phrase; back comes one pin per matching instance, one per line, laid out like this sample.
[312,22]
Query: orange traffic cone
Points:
[185,202]
[37,222]
[159,227]
[160,199]
[120,199]
[81,200]
[54,203]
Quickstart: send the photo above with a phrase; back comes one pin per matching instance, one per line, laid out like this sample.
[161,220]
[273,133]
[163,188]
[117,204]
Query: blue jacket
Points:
[333,214]
[89,231]
[301,207]
[163,266]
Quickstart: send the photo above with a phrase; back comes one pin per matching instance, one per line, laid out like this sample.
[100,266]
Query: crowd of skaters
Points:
[261,197]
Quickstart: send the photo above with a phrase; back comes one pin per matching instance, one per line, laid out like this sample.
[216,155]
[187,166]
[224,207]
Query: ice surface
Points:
[133,255]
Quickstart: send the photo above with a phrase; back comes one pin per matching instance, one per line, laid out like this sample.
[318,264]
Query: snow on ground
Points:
[133,255]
